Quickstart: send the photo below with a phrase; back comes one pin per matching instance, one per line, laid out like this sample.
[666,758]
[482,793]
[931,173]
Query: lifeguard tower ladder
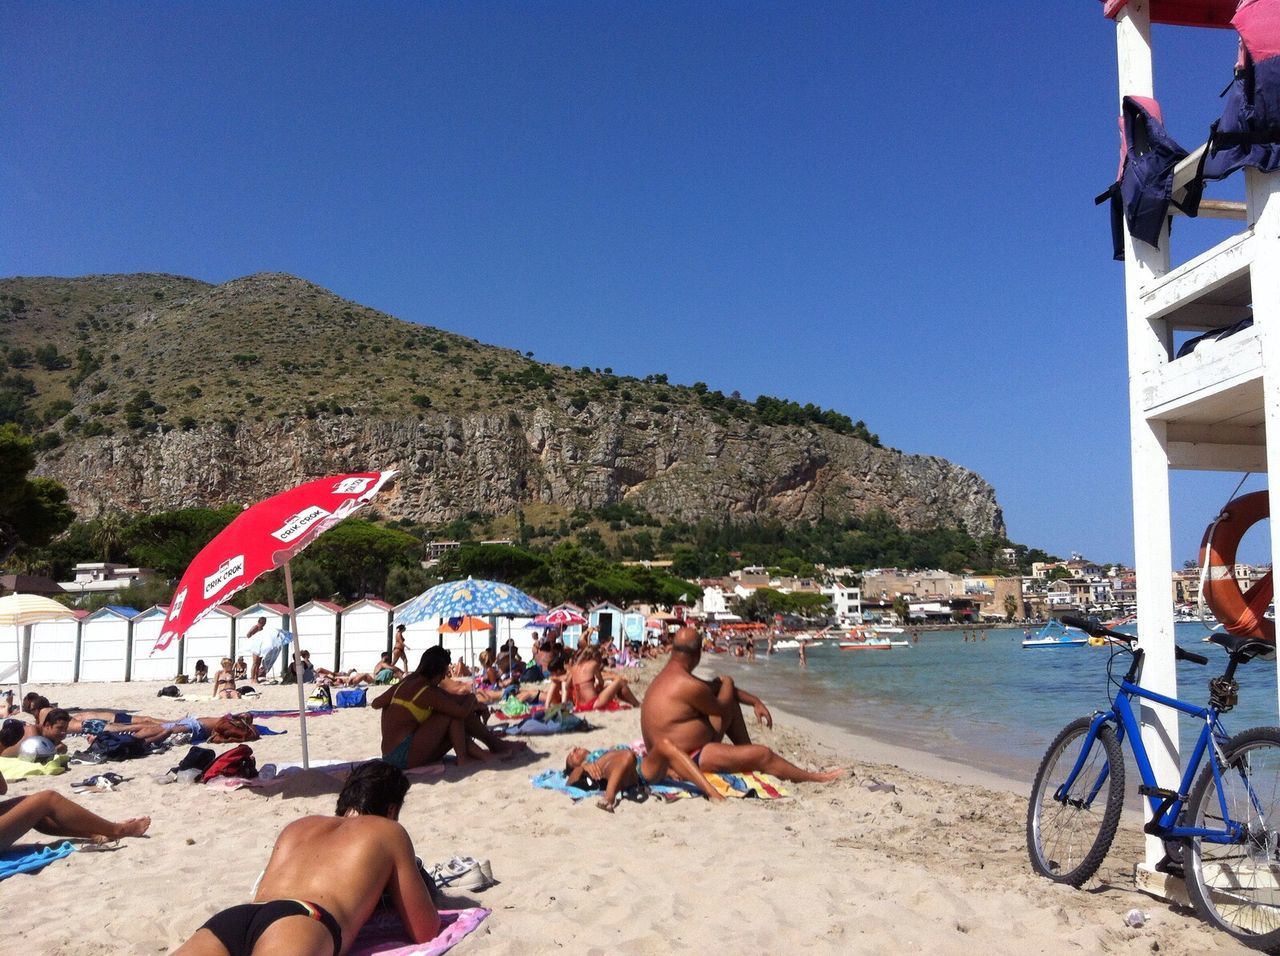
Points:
[1210,410]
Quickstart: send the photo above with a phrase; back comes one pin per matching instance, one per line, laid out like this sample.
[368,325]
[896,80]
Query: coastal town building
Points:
[101,577]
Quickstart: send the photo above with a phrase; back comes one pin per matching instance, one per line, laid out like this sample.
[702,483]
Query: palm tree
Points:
[1010,607]
[108,532]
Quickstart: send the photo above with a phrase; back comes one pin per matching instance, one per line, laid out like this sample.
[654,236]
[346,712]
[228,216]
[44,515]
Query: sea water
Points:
[986,703]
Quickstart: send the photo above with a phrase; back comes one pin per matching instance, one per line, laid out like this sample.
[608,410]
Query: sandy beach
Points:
[936,864]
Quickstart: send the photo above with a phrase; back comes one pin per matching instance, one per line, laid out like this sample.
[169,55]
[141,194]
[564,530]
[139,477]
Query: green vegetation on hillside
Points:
[32,510]
[151,353]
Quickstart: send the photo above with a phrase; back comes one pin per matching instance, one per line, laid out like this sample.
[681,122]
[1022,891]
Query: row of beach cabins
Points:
[116,643]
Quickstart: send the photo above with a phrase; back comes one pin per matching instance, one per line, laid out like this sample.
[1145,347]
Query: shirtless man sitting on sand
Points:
[697,715]
[325,877]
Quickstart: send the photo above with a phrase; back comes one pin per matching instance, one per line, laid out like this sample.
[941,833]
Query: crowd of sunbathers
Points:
[691,727]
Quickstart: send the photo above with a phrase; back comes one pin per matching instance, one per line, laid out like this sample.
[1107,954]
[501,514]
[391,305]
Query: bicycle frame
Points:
[1166,806]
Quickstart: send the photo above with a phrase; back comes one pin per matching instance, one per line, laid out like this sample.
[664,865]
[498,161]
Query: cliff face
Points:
[680,466]
[164,392]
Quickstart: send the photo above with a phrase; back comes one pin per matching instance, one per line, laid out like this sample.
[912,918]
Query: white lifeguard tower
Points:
[1210,410]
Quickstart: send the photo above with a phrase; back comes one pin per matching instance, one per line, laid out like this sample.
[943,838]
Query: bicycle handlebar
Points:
[1094,629]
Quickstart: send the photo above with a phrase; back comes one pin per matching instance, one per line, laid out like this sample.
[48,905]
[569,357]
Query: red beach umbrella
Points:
[563,617]
[262,538]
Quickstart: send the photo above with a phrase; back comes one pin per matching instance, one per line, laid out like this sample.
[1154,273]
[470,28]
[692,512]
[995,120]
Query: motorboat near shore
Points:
[1056,634]
[870,639]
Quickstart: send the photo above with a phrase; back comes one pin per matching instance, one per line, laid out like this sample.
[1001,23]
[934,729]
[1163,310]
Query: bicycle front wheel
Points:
[1069,830]
[1236,886]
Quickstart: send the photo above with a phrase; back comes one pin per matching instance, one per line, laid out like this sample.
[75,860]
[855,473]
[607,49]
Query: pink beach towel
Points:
[384,935]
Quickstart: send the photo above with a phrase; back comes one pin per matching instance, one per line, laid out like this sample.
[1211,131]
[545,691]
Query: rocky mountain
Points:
[158,392]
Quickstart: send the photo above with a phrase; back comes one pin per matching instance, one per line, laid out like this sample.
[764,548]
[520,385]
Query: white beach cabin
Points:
[606,618]
[209,640]
[51,656]
[160,665]
[632,628]
[418,637]
[277,616]
[104,644]
[366,633]
[318,632]
[513,628]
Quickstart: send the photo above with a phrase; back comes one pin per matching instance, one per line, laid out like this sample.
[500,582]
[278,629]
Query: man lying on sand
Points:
[305,909]
[54,815]
[620,768]
[39,707]
[53,725]
[696,715]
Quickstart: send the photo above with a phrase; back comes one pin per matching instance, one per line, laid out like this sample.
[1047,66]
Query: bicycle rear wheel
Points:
[1070,831]
[1236,886]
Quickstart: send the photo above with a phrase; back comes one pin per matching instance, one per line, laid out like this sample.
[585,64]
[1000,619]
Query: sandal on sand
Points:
[98,782]
[99,847]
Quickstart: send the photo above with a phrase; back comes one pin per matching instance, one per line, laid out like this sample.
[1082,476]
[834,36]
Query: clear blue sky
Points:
[884,209]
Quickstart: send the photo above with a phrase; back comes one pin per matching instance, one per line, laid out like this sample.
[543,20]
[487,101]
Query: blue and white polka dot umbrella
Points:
[470,597]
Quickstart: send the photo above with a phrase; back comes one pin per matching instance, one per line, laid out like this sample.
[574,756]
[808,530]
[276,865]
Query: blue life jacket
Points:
[1248,132]
[1143,191]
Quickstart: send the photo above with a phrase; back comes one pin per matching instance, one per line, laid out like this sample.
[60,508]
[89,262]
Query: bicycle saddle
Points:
[1247,648]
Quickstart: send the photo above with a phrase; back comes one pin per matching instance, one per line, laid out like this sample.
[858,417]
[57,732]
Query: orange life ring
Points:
[1241,612]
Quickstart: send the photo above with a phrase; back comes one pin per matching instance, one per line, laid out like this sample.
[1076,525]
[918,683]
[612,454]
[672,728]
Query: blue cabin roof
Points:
[121,610]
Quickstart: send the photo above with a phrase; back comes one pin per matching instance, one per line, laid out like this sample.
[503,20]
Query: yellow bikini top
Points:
[419,712]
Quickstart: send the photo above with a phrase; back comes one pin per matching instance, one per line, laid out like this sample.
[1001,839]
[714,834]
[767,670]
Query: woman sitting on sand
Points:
[589,689]
[53,814]
[421,722]
[224,682]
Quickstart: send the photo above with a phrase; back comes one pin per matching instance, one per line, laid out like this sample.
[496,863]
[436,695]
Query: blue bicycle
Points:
[1221,828]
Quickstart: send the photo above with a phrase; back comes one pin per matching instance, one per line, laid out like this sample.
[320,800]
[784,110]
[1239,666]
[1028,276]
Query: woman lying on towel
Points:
[614,769]
[54,815]
[422,721]
[384,673]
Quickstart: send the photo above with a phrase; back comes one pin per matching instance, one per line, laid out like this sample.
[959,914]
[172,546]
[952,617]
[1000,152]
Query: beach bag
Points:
[352,697]
[170,690]
[197,758]
[233,729]
[114,746]
[236,762]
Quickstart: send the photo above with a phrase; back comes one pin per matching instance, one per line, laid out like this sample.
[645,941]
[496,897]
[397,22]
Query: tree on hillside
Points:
[357,555]
[168,541]
[494,562]
[32,510]
[108,532]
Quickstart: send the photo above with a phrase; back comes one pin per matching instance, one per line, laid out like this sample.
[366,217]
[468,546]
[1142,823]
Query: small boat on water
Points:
[1056,634]
[880,630]
[867,639]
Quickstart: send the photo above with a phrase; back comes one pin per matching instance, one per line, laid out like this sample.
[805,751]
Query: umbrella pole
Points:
[297,665]
[17,649]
